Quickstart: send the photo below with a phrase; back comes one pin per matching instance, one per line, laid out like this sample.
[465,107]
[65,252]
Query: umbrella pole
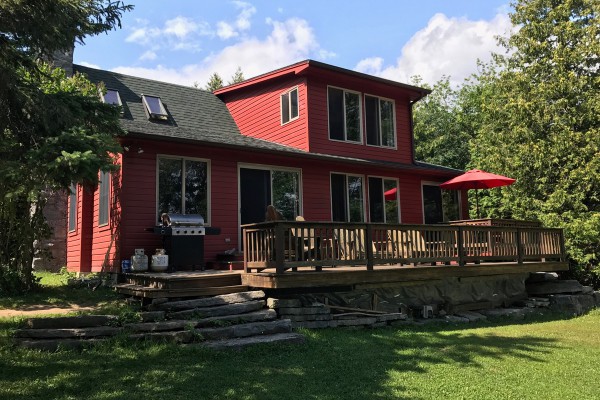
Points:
[477,203]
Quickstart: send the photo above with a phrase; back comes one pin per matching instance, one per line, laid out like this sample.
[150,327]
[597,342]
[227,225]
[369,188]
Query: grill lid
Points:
[181,220]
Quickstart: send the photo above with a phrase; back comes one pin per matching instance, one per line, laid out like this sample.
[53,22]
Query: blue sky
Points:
[184,41]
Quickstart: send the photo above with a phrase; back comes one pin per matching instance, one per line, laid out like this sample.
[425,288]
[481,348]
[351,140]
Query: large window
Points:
[344,110]
[260,187]
[183,186]
[289,106]
[383,200]
[379,115]
[440,205]
[347,203]
[72,207]
[103,198]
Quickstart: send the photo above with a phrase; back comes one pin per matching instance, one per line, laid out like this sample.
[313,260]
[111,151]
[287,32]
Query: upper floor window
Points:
[103,198]
[155,107]
[347,204]
[379,115]
[289,106]
[344,110]
[183,186]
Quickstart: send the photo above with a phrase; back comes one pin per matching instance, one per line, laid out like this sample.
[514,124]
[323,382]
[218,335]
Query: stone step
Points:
[233,298]
[246,330]
[291,338]
[554,287]
[255,316]
[153,293]
[471,316]
[80,321]
[218,311]
[102,331]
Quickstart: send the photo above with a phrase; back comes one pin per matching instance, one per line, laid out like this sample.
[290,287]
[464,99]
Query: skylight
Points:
[155,107]
[112,97]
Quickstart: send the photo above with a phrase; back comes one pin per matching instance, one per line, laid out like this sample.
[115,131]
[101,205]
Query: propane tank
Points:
[160,261]
[139,261]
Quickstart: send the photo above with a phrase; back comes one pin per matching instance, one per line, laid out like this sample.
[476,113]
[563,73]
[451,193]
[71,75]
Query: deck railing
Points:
[284,245]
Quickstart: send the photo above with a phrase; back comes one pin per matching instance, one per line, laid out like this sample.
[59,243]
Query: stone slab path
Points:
[37,310]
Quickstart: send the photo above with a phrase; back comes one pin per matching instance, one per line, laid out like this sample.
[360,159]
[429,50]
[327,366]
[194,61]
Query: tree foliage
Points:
[214,82]
[539,121]
[237,77]
[56,130]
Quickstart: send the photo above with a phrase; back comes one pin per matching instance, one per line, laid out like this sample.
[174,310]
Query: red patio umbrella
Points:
[477,179]
[391,194]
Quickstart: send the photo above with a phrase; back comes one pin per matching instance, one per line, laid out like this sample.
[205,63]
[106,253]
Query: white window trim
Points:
[265,167]
[108,203]
[397,198]
[395,146]
[360,116]
[289,105]
[207,217]
[364,214]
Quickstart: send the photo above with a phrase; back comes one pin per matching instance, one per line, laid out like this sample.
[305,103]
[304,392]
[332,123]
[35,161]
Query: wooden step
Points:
[155,293]
[184,280]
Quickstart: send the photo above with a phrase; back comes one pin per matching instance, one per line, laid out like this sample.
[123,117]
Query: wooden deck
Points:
[388,275]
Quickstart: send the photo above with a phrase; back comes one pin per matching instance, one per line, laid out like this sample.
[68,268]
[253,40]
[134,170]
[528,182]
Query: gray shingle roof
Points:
[196,115]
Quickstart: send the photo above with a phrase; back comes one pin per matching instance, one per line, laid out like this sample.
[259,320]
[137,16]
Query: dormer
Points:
[324,109]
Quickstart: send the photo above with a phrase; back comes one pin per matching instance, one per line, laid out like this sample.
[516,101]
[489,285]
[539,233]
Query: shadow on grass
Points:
[334,364]
[58,296]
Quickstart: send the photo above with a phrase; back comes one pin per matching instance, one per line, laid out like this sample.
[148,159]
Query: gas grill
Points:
[183,239]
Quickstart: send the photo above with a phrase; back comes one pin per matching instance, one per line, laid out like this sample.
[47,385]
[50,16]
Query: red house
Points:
[312,139]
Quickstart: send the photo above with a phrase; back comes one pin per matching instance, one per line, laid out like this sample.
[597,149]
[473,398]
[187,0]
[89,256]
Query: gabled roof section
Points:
[194,110]
[312,67]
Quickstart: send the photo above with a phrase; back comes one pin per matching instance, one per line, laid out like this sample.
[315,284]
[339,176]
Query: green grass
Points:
[536,359]
[54,292]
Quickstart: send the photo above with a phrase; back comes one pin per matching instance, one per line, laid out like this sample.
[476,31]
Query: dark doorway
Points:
[255,194]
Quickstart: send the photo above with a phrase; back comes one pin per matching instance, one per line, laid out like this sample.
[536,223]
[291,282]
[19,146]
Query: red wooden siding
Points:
[257,112]
[80,241]
[137,197]
[318,124]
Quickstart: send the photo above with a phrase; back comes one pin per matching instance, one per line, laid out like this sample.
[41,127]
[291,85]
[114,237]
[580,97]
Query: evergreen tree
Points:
[55,130]
[214,82]
[237,76]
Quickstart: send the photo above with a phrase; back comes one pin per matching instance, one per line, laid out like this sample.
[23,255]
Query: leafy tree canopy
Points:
[56,129]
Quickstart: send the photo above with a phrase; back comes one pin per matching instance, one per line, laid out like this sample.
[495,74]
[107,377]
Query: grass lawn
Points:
[536,359]
[54,292]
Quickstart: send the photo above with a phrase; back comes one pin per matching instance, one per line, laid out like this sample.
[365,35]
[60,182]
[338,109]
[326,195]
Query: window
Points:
[347,203]
[103,198]
[440,205]
[260,187]
[379,115]
[72,207]
[183,186]
[112,97]
[155,107]
[344,110]
[289,106]
[383,200]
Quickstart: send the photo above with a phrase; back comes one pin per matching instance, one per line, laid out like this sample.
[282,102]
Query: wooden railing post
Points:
[279,248]
[369,246]
[460,245]
[245,244]
[519,247]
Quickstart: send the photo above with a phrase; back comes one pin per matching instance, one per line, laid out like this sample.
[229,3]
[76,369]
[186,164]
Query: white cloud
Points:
[225,31]
[446,46]
[179,33]
[228,30]
[180,27]
[289,41]
[89,65]
[148,56]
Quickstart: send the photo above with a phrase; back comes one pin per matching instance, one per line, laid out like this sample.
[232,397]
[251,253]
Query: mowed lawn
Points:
[535,359]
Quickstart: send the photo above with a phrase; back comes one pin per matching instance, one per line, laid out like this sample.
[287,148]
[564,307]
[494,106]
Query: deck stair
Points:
[180,284]
[225,321]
